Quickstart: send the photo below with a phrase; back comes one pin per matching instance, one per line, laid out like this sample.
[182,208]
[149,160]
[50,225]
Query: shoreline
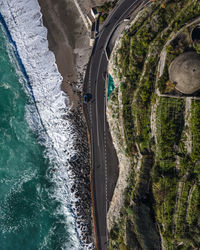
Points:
[68,39]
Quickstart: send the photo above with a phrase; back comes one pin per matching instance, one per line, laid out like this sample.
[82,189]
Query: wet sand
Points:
[69,40]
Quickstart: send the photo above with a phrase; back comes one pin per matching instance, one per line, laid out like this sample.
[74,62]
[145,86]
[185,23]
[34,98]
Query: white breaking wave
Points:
[24,20]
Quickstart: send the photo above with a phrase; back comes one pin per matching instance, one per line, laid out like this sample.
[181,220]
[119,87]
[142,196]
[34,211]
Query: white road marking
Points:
[106,55]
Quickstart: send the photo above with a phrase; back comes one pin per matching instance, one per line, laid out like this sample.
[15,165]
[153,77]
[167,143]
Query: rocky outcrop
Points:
[115,120]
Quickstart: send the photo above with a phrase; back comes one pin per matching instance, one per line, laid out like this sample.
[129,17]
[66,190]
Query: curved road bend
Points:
[102,152]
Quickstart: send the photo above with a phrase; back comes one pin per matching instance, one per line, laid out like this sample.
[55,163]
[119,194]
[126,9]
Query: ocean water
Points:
[33,212]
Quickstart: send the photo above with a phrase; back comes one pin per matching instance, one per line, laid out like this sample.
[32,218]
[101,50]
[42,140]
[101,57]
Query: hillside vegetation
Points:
[162,201]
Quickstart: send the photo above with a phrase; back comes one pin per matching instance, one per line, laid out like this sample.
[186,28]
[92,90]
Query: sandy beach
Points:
[69,40]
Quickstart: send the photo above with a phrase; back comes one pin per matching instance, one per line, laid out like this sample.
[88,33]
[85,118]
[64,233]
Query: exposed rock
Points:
[117,133]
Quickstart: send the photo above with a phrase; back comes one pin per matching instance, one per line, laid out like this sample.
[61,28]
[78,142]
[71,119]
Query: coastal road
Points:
[103,155]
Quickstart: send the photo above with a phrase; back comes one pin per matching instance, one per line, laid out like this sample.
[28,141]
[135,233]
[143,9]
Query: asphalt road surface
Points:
[103,154]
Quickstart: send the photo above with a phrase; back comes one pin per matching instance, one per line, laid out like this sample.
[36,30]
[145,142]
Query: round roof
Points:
[184,71]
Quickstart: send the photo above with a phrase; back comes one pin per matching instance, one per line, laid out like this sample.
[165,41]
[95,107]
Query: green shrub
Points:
[170,122]
[195,128]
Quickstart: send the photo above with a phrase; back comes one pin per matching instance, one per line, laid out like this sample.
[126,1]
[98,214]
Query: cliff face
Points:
[155,130]
[114,114]
[114,117]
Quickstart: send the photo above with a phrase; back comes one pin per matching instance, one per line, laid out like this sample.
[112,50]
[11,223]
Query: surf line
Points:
[21,67]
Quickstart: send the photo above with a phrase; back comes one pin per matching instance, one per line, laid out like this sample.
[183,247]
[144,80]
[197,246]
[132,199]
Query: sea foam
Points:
[24,21]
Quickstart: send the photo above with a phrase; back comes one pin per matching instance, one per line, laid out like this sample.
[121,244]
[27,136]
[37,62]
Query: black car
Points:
[87,97]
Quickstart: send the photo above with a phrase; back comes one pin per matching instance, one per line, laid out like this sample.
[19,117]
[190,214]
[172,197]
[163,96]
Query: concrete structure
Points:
[94,13]
[184,71]
[93,34]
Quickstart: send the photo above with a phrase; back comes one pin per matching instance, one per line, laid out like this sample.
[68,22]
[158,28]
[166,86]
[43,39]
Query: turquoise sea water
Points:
[29,217]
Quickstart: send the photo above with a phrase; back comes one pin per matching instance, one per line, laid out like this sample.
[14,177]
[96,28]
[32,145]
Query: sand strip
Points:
[69,40]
